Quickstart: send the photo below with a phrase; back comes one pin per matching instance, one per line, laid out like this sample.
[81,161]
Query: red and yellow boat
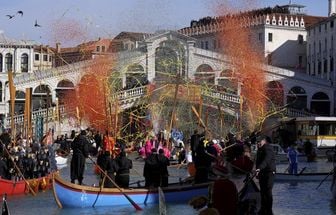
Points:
[12,187]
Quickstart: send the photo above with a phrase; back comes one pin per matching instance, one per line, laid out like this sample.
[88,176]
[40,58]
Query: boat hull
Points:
[11,187]
[302,177]
[71,195]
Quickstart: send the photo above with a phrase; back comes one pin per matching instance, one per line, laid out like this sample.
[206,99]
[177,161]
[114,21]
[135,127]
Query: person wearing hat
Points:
[265,171]
[80,147]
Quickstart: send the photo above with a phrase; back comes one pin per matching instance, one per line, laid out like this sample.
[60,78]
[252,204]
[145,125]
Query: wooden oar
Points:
[135,205]
[18,169]
[247,182]
[303,169]
[225,148]
[325,178]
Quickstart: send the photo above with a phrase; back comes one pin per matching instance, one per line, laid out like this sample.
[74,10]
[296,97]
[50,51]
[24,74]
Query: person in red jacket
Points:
[108,143]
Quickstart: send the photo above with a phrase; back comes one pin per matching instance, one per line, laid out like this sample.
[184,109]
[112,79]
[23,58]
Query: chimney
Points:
[58,47]
[332,7]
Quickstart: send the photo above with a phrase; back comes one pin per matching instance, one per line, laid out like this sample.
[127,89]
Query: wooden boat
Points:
[78,196]
[11,187]
[302,177]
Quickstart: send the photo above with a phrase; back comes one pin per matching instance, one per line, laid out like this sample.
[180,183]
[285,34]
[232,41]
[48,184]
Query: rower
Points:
[164,163]
[124,166]
[152,170]
[111,168]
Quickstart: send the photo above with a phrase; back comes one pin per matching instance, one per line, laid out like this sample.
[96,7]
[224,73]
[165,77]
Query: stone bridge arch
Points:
[205,74]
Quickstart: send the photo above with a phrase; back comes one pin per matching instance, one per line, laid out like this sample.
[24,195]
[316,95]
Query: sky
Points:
[74,21]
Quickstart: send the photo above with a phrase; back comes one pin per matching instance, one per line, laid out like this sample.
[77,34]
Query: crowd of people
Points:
[32,159]
[21,158]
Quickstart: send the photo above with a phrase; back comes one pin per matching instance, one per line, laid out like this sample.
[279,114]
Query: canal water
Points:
[289,198]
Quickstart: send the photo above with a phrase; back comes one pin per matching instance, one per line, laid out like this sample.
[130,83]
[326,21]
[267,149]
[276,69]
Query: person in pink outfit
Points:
[148,148]
[166,151]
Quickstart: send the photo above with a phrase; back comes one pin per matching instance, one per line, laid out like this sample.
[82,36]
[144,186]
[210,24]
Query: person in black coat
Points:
[80,147]
[164,163]
[194,140]
[152,170]
[265,170]
[202,162]
[124,166]
[110,168]
[3,168]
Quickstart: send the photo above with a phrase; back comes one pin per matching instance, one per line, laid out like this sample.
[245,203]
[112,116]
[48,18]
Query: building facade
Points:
[15,56]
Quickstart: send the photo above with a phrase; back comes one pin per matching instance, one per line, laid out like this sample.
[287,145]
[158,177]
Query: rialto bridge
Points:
[147,64]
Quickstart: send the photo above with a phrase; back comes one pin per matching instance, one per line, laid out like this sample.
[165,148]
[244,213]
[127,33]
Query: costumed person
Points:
[194,140]
[164,163]
[166,149]
[110,168]
[202,162]
[123,174]
[3,168]
[265,170]
[292,155]
[148,148]
[108,143]
[152,170]
[80,147]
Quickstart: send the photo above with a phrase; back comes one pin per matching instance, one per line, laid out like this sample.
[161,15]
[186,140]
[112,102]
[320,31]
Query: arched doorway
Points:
[205,75]
[64,87]
[275,94]
[41,97]
[320,104]
[135,76]
[297,98]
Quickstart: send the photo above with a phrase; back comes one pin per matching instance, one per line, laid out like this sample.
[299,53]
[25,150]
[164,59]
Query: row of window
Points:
[215,44]
[320,46]
[9,62]
[45,57]
[325,26]
[100,49]
[313,66]
[270,38]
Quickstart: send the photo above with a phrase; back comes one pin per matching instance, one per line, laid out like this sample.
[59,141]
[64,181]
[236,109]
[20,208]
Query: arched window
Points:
[297,98]
[24,63]
[320,104]
[1,62]
[8,62]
